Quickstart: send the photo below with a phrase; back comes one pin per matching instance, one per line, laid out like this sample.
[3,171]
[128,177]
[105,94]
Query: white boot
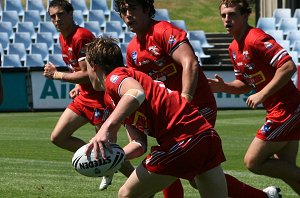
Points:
[106,181]
[272,192]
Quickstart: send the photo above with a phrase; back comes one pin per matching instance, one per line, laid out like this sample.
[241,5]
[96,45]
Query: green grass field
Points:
[31,166]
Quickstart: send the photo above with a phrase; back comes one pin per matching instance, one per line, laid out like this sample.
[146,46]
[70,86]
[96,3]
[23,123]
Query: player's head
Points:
[104,52]
[243,5]
[146,5]
[64,4]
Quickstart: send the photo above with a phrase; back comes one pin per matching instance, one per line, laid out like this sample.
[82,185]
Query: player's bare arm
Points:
[185,56]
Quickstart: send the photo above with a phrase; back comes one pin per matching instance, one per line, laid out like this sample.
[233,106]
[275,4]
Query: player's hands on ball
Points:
[49,70]
[99,143]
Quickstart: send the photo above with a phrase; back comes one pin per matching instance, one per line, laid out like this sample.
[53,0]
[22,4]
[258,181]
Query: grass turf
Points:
[31,166]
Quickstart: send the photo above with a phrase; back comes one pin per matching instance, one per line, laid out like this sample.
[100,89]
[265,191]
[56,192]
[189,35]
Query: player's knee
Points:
[56,139]
[123,192]
[251,164]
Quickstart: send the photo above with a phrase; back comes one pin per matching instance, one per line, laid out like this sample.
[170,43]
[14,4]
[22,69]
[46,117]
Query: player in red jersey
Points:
[147,107]
[261,64]
[87,105]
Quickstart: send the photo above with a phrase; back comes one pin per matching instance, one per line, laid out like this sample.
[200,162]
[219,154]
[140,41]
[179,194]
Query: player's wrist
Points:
[189,97]
[58,75]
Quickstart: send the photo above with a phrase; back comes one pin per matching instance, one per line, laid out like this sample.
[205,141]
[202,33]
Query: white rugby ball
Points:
[88,165]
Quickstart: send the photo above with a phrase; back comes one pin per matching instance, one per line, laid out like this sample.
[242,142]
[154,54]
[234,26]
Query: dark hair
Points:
[146,4]
[105,53]
[244,6]
[65,5]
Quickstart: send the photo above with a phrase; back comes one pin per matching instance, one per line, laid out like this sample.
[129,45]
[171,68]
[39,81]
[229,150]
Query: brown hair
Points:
[244,6]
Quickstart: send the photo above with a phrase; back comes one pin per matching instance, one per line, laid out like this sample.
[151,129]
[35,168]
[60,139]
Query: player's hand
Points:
[216,83]
[75,91]
[49,70]
[254,100]
[99,143]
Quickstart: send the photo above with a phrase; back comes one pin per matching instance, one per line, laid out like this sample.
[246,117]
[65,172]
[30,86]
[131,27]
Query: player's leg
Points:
[174,190]
[212,183]
[143,183]
[67,124]
[259,159]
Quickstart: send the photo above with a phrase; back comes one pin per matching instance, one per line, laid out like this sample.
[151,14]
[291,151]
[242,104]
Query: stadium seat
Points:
[99,5]
[97,15]
[287,25]
[4,40]
[162,14]
[45,37]
[48,26]
[285,44]
[14,5]
[114,16]
[293,36]
[280,13]
[196,44]
[12,60]
[33,16]
[40,48]
[1,54]
[12,17]
[93,26]
[296,47]
[27,27]
[276,34]
[114,26]
[56,48]
[80,5]
[7,27]
[123,47]
[17,48]
[294,55]
[57,60]
[266,23]
[297,16]
[199,35]
[78,17]
[128,36]
[110,34]
[23,37]
[36,5]
[34,60]
[179,23]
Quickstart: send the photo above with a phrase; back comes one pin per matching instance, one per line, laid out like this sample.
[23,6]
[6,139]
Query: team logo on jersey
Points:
[97,114]
[234,56]
[114,78]
[268,45]
[134,56]
[70,51]
[172,39]
[250,66]
[266,127]
[153,50]
[246,55]
[106,113]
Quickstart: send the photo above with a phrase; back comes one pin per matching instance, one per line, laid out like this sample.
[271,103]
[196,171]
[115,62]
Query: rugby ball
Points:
[88,165]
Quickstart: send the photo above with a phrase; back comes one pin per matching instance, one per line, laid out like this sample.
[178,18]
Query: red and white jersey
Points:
[164,114]
[152,55]
[256,60]
[72,49]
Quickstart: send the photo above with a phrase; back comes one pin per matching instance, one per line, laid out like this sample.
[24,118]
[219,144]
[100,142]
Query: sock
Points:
[174,190]
[238,189]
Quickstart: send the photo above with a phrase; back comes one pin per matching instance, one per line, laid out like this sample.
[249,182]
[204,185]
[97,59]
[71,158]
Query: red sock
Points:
[237,189]
[174,190]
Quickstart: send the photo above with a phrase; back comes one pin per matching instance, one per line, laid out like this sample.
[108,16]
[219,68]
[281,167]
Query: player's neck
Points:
[241,35]
[69,31]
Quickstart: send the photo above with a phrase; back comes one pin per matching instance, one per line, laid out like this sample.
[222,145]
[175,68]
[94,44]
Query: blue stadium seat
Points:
[56,48]
[14,5]
[27,27]
[162,14]
[179,23]
[17,48]
[80,5]
[97,15]
[12,60]
[45,37]
[99,5]
[297,15]
[123,47]
[296,47]
[293,36]
[4,40]
[7,27]
[110,34]
[36,5]
[128,36]
[40,48]
[57,60]
[287,25]
[276,34]
[78,17]
[294,55]
[196,44]
[114,26]
[114,16]
[34,60]
[199,35]
[33,16]
[23,37]
[280,13]
[12,17]
[285,44]
[48,26]
[266,23]
[93,26]
[1,53]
